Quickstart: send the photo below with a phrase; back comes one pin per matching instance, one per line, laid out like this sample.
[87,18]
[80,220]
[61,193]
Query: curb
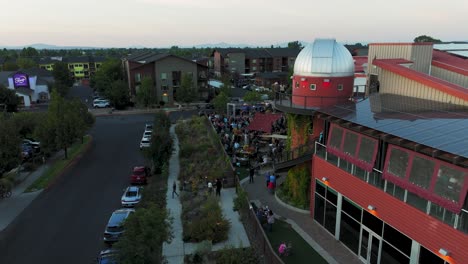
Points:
[71,164]
[290,207]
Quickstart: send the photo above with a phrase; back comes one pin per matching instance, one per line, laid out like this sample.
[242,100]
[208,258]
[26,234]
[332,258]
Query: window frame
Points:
[354,159]
[426,193]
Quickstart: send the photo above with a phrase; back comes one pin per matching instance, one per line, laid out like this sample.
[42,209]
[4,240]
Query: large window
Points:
[449,183]
[421,172]
[398,162]
[347,145]
[426,178]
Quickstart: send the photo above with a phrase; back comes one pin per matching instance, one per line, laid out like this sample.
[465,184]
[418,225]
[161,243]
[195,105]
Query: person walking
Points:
[252,173]
[174,190]
[218,187]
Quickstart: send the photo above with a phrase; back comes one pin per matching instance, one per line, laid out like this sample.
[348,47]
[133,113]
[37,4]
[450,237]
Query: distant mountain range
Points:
[208,45]
[41,46]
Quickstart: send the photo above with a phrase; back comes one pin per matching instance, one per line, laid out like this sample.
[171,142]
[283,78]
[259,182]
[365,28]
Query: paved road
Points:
[65,224]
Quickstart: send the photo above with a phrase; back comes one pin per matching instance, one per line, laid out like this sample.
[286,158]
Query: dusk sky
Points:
[163,23]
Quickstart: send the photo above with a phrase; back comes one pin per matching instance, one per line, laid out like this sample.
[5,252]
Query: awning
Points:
[263,122]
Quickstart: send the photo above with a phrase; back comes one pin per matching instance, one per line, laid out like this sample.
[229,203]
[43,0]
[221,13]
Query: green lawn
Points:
[302,252]
[58,166]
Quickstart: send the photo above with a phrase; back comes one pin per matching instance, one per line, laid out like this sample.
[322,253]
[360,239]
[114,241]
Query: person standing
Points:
[218,187]
[270,220]
[174,190]
[210,188]
[252,173]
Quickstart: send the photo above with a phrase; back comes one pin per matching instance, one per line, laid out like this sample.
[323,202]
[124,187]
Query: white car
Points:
[147,133]
[145,142]
[101,103]
[131,196]
[148,127]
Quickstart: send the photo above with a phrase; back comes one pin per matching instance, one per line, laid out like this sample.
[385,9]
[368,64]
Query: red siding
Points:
[428,231]
[321,96]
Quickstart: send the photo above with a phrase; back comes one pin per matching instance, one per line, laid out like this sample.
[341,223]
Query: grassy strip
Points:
[58,166]
[301,250]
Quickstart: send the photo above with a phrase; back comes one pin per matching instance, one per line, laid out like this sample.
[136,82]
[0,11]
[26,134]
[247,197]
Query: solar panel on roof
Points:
[438,126]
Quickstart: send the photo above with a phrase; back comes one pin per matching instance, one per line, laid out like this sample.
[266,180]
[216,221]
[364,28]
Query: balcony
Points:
[294,157]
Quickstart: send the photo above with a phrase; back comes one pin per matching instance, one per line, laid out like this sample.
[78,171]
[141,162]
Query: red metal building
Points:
[389,175]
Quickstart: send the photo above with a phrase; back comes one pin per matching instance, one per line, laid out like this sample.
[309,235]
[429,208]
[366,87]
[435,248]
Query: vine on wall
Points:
[296,187]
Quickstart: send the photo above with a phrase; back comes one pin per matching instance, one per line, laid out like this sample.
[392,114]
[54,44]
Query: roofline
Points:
[402,44]
[449,67]
[436,83]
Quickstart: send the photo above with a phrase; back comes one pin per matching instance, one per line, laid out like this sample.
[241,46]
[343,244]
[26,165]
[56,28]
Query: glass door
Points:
[370,245]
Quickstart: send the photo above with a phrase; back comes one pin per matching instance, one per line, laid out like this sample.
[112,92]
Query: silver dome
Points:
[324,58]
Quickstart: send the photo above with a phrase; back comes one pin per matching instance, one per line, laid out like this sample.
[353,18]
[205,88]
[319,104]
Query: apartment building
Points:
[166,71]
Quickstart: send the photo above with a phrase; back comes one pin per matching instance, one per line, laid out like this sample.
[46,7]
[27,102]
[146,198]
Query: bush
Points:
[208,224]
[240,202]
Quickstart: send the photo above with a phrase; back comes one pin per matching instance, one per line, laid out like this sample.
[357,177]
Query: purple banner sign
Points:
[21,80]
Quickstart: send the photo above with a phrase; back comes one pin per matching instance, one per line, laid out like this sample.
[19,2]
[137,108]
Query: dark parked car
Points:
[26,151]
[140,175]
[107,256]
[115,228]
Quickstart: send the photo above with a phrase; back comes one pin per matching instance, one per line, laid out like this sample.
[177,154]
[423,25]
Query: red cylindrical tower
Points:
[323,74]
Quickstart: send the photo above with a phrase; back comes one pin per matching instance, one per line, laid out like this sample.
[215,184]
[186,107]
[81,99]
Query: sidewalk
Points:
[11,207]
[177,249]
[322,241]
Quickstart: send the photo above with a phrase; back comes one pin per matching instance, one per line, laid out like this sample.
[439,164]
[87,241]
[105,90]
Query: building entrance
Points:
[369,246]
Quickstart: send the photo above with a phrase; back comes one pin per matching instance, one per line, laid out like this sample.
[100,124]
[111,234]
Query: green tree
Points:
[62,77]
[65,122]
[146,94]
[145,231]
[252,97]
[10,66]
[294,45]
[424,38]
[27,122]
[8,99]
[187,93]
[161,142]
[220,102]
[226,87]
[26,63]
[9,145]
[118,94]
[61,88]
[109,72]
[29,52]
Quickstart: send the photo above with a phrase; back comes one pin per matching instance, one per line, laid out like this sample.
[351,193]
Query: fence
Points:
[260,240]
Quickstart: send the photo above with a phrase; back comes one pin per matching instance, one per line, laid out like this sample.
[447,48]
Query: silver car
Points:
[115,228]
[131,196]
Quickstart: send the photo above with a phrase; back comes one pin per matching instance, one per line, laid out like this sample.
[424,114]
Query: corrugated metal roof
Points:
[324,58]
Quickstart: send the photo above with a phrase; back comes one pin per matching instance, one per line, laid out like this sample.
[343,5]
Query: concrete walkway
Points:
[11,207]
[177,249]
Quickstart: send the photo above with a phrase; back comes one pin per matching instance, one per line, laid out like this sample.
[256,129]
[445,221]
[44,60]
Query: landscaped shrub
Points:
[201,160]
[209,224]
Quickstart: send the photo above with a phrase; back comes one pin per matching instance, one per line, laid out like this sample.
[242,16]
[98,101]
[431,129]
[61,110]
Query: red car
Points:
[140,175]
